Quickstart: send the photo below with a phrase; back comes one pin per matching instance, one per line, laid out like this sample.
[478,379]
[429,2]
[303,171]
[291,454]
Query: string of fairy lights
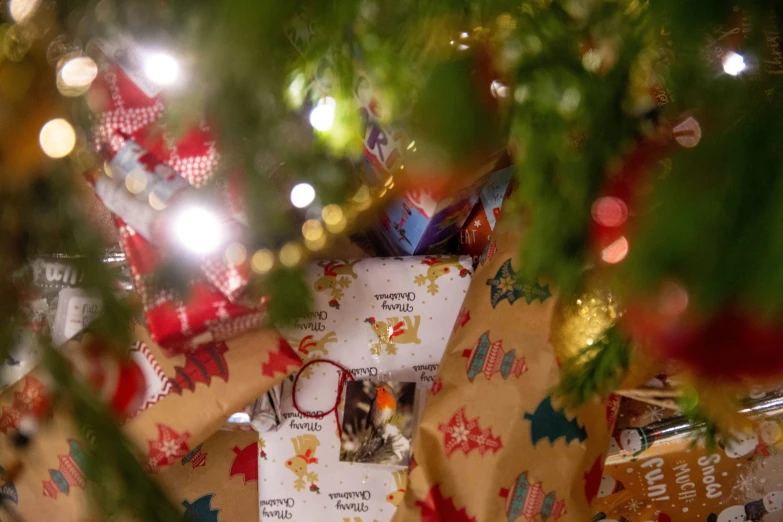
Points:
[198,228]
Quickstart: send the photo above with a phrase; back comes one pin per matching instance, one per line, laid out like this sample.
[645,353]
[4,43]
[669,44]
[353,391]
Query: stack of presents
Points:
[419,387]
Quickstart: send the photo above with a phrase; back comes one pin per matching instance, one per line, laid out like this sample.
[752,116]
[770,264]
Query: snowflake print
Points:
[170,447]
[655,413]
[633,505]
[746,482]
[460,434]
[506,283]
[466,435]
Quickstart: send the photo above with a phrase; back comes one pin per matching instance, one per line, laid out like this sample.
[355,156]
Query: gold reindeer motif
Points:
[304,448]
[439,267]
[401,481]
[310,348]
[394,331]
[337,275]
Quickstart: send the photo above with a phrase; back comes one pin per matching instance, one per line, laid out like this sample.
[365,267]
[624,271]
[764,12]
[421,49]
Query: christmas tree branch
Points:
[596,370]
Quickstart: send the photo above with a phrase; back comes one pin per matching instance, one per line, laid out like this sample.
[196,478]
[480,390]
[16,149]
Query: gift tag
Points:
[378,422]
[76,309]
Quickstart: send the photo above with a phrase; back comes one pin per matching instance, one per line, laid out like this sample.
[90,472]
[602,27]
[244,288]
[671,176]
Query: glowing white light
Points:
[322,115]
[161,68]
[22,9]
[198,230]
[302,195]
[57,138]
[463,35]
[79,71]
[733,63]
[498,90]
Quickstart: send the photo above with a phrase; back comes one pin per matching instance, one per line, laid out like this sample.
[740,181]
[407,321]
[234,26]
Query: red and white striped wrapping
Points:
[126,112]
[207,315]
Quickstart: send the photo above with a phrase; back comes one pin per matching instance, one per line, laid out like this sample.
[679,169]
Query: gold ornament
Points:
[582,320]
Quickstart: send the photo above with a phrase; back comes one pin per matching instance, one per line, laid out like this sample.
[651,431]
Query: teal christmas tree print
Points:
[506,285]
[549,423]
[200,510]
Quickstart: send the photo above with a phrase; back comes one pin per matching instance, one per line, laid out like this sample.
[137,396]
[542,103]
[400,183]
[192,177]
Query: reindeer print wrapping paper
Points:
[493,443]
[188,398]
[386,319]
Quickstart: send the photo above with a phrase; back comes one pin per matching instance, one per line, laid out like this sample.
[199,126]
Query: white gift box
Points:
[383,318]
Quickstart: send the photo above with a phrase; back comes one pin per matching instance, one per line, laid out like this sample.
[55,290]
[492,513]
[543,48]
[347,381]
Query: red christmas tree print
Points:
[593,479]
[200,366]
[488,357]
[169,448]
[32,400]
[462,319]
[281,360]
[465,434]
[245,463]
[437,385]
[437,508]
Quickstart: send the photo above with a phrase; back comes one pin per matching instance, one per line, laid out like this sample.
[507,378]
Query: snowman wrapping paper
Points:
[668,479]
[384,319]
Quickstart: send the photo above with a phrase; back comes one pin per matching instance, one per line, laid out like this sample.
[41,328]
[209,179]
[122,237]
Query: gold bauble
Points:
[581,320]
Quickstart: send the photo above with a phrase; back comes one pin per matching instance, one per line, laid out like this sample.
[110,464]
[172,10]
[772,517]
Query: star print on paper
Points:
[477,223]
[465,434]
[506,285]
[170,447]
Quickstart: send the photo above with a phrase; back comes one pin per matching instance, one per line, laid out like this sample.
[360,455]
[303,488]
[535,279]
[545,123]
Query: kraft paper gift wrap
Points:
[218,480]
[384,319]
[494,444]
[188,398]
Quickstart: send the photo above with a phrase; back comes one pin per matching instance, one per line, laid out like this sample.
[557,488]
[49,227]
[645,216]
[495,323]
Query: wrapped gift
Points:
[474,236]
[424,218]
[188,398]
[383,320]
[739,482]
[494,443]
[206,315]
[129,106]
[217,480]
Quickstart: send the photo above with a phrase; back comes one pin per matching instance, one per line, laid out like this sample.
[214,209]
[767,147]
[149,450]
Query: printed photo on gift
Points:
[378,422]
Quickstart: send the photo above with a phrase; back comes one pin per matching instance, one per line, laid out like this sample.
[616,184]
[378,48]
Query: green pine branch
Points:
[596,370]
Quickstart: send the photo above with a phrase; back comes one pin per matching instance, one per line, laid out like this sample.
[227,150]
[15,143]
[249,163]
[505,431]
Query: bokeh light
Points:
[322,115]
[21,10]
[302,195]
[79,71]
[262,261]
[290,254]
[57,138]
[198,230]
[236,254]
[161,68]
[312,230]
[733,63]
[616,251]
[609,211]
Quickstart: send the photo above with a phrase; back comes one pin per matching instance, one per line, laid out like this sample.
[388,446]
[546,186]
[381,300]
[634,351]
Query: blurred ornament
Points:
[119,382]
[728,344]
[582,320]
